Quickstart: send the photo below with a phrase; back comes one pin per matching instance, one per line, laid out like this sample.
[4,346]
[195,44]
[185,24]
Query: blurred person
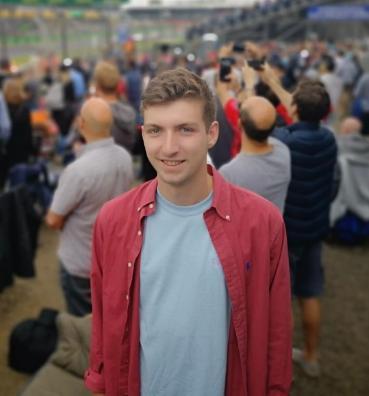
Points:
[264,163]
[5,71]
[349,72]
[254,86]
[332,83]
[361,96]
[102,171]
[79,85]
[19,146]
[313,154]
[60,99]
[179,260]
[106,79]
[133,80]
[350,125]
[353,194]
[227,115]
[32,84]
[5,129]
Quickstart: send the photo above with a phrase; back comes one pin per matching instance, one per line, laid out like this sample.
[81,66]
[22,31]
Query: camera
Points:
[225,69]
[238,47]
[257,64]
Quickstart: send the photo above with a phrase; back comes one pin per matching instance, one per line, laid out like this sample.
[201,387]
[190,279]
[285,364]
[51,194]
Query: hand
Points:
[225,51]
[268,75]
[253,50]
[233,84]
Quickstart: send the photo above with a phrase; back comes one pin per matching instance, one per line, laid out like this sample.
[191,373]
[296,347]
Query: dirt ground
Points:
[345,330]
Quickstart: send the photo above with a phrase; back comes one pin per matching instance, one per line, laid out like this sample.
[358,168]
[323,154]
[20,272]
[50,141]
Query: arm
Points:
[249,78]
[54,220]
[94,375]
[280,326]
[269,77]
[66,198]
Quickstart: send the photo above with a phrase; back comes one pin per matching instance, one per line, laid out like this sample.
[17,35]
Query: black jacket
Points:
[313,160]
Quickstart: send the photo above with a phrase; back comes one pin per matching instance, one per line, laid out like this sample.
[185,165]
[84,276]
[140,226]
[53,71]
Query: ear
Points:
[80,123]
[213,134]
[239,124]
[294,111]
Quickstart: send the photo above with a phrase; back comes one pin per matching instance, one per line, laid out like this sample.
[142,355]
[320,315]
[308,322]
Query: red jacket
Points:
[232,114]
[249,236]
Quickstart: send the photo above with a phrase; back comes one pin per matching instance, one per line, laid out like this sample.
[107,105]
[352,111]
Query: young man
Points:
[264,163]
[190,278]
[312,188]
[102,172]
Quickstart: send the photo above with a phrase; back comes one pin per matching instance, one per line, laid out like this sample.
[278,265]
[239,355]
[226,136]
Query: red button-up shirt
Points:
[249,237]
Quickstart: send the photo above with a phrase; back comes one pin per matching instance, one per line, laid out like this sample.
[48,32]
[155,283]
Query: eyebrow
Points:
[184,124]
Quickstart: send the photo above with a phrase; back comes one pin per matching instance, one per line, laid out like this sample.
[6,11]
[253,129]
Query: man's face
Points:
[176,141]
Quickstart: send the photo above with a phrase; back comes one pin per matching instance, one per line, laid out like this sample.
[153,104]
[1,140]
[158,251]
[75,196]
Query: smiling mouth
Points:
[172,163]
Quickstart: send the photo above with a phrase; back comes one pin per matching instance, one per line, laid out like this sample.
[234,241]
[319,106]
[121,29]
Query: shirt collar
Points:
[221,194]
[303,125]
[97,144]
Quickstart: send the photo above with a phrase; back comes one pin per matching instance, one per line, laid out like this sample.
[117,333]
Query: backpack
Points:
[350,230]
[36,179]
[32,341]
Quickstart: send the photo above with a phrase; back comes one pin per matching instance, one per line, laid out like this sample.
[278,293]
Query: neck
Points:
[107,97]
[253,147]
[92,139]
[187,194]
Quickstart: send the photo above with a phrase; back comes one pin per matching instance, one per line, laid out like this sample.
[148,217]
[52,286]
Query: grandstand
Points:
[280,20]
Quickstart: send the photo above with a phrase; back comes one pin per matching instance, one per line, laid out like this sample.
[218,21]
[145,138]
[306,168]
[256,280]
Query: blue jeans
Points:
[77,293]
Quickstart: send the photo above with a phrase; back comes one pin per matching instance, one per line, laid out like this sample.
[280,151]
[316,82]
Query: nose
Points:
[170,145]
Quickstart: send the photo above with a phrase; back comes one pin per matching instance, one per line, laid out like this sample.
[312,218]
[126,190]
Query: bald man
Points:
[264,163]
[350,125]
[102,171]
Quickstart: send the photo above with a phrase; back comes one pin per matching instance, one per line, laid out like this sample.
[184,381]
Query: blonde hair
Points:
[106,77]
[13,90]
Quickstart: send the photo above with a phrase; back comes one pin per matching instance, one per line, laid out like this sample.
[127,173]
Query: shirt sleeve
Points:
[69,193]
[232,113]
[94,375]
[358,90]
[280,326]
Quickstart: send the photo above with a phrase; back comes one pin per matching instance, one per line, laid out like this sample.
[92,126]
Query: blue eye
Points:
[187,129]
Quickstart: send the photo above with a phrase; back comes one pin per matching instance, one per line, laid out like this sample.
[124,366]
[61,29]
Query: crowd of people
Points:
[243,164]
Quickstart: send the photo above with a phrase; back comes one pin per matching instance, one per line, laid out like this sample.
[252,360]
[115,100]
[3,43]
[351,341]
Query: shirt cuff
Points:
[94,381]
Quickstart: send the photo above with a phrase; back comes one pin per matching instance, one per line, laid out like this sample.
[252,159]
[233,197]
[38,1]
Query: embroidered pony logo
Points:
[248,265]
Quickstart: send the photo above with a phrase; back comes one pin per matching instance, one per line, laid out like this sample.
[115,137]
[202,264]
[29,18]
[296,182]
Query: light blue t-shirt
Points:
[184,305]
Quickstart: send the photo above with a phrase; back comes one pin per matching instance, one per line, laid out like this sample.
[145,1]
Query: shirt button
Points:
[127,297]
[139,233]
[228,217]
[151,206]
[138,209]
[129,264]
